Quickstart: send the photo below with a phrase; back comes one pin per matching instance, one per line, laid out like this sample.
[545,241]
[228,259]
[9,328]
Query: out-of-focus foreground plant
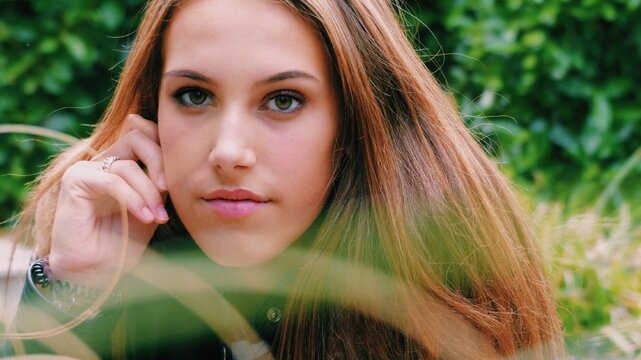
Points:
[596,262]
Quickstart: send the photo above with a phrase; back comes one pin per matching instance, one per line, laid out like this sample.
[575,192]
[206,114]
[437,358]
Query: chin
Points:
[237,252]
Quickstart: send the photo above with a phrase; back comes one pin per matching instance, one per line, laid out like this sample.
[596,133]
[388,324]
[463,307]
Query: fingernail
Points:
[147,214]
[162,213]
[162,181]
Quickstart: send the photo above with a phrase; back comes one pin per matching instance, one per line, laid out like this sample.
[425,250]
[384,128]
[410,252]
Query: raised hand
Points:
[88,229]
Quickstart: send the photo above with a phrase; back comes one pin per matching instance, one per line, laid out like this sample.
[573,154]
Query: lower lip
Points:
[234,209]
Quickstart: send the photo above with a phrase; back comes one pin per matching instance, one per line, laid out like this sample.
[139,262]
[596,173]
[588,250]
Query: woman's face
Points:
[247,121]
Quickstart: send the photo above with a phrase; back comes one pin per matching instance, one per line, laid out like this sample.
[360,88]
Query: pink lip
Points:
[234,203]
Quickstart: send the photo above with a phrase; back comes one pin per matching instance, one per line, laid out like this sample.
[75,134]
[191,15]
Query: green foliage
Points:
[548,85]
[594,269]
[55,71]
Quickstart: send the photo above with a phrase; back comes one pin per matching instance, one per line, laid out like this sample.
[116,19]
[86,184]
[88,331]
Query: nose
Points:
[232,149]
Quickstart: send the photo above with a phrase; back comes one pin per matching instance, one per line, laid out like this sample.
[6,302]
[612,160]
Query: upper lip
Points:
[234,194]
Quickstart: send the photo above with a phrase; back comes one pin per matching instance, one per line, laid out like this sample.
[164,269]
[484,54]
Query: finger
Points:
[137,122]
[150,154]
[136,178]
[138,146]
[84,181]
[118,188]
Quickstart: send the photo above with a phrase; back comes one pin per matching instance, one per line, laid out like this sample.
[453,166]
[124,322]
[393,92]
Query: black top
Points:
[145,322]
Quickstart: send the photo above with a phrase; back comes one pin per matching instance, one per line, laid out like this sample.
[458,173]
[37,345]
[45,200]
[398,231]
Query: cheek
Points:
[178,148]
[171,149]
[306,166]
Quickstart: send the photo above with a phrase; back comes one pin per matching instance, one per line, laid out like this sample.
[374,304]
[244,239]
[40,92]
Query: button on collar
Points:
[274,314]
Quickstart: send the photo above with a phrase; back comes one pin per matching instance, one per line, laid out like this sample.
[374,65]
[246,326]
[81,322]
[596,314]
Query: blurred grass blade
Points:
[625,170]
[39,131]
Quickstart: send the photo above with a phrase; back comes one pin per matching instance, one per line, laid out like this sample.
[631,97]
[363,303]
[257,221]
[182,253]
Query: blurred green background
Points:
[548,86]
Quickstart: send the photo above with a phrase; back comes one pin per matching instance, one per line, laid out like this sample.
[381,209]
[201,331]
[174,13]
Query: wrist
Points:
[71,298]
[81,274]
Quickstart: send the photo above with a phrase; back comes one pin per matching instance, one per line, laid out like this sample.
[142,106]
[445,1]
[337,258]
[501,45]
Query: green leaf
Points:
[75,46]
[597,125]
[609,12]
[601,114]
[562,137]
[5,31]
[18,68]
[51,85]
[629,112]
[529,62]
[61,70]
[111,15]
[534,39]
[618,86]
[633,4]
[48,45]
[30,85]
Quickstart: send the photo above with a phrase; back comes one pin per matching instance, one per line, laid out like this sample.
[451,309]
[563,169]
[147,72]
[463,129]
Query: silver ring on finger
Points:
[107,162]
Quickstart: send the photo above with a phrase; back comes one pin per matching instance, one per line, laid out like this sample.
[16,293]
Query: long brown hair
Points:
[415,200]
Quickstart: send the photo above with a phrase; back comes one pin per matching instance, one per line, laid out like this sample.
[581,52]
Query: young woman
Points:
[310,156]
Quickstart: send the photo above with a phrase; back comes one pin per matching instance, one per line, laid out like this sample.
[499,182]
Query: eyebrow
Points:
[287,75]
[190,74]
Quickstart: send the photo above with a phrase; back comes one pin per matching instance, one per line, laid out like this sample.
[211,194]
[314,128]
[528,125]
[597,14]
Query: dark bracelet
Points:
[68,297]
[40,272]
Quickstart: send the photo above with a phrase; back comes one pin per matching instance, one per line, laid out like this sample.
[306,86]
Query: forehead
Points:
[223,31]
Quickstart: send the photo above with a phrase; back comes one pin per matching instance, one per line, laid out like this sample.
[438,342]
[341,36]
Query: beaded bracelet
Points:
[68,297]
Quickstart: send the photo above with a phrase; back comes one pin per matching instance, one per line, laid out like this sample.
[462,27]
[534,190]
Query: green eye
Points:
[193,97]
[285,102]
[197,97]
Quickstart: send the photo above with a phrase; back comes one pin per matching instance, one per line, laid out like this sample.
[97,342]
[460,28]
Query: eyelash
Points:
[294,95]
[179,96]
[180,93]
